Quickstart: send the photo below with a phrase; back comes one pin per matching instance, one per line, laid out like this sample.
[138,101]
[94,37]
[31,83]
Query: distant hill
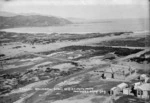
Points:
[7,14]
[77,20]
[81,20]
[31,21]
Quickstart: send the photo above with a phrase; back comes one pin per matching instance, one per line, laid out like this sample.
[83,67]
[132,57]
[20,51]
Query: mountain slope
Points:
[31,21]
[7,14]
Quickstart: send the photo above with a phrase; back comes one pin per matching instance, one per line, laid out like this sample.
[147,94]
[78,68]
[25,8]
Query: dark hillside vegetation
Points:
[142,58]
[140,42]
[101,50]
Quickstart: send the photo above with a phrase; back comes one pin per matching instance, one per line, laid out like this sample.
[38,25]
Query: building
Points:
[122,86]
[147,80]
[127,91]
[137,84]
[114,91]
[119,88]
[144,78]
[143,91]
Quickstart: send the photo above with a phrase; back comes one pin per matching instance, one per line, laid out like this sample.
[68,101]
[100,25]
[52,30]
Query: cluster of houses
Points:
[140,89]
[115,71]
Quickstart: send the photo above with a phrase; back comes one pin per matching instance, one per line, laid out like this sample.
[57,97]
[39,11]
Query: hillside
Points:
[31,21]
[7,14]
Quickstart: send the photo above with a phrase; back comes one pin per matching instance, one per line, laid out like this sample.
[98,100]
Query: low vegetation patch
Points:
[102,50]
[130,99]
[140,42]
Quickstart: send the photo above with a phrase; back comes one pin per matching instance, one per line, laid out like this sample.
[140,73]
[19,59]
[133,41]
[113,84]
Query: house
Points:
[143,91]
[147,80]
[137,84]
[144,78]
[122,86]
[114,91]
[127,91]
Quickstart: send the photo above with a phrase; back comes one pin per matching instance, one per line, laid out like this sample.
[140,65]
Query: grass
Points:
[63,95]
[98,100]
[10,99]
[141,71]
[98,51]
[18,69]
[142,58]
[131,99]
[41,38]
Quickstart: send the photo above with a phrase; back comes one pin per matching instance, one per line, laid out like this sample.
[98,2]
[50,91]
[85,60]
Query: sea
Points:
[117,25]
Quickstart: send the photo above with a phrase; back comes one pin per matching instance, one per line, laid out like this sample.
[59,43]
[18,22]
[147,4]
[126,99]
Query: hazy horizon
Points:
[83,9]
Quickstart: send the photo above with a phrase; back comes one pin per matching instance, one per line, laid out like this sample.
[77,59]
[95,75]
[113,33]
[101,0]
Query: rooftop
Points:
[145,87]
[122,85]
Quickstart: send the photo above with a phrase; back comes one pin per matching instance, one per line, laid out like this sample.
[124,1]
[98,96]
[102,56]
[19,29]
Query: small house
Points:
[147,80]
[143,76]
[137,84]
[127,91]
[122,86]
[114,91]
[143,91]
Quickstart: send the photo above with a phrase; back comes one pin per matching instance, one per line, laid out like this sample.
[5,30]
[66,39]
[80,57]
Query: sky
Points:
[87,9]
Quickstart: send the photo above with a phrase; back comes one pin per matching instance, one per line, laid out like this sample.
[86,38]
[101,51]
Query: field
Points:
[69,61]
